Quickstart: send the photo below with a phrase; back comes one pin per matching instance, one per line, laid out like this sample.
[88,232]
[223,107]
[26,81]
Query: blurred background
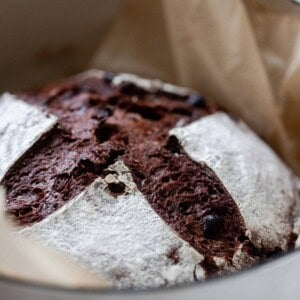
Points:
[45,40]
[243,54]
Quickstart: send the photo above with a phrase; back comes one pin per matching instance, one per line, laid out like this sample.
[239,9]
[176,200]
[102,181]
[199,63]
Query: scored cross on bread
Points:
[143,182]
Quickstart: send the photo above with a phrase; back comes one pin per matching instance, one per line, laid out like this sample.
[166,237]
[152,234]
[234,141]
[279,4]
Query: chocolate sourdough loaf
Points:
[140,181]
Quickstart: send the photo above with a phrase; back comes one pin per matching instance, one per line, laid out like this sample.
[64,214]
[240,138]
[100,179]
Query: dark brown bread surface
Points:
[100,123]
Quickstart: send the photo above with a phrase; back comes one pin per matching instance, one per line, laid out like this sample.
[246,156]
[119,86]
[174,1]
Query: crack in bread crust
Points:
[101,122]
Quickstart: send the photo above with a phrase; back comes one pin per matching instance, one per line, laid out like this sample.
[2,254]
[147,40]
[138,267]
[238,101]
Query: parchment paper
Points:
[243,54]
